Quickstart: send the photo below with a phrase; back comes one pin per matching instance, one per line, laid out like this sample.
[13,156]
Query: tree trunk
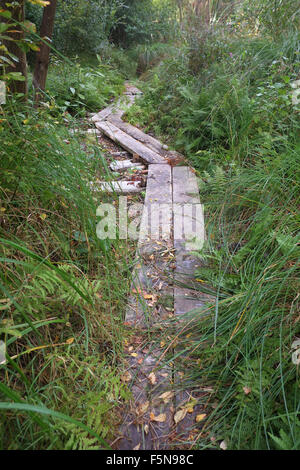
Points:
[13,45]
[42,58]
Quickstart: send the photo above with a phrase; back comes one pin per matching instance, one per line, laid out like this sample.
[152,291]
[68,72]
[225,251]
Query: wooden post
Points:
[42,57]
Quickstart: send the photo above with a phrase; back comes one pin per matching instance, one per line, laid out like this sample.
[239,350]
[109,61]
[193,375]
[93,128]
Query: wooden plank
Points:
[185,186]
[148,304]
[102,115]
[131,89]
[118,108]
[128,143]
[119,187]
[151,275]
[123,165]
[157,215]
[139,135]
[139,431]
[189,234]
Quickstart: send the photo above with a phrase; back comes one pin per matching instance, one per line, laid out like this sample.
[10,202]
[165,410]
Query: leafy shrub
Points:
[76,88]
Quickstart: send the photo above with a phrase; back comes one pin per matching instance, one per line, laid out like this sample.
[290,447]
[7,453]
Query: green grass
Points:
[250,267]
[63,291]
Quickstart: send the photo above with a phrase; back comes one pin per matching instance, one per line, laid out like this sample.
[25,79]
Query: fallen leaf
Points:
[70,340]
[137,447]
[152,378]
[143,408]
[200,418]
[296,343]
[136,291]
[134,354]
[148,296]
[296,357]
[159,419]
[223,445]
[167,396]
[126,377]
[180,415]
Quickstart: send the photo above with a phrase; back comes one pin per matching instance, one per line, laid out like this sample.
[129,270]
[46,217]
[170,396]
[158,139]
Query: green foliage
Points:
[270,16]
[81,25]
[62,316]
[76,88]
[90,26]
[233,108]
[145,21]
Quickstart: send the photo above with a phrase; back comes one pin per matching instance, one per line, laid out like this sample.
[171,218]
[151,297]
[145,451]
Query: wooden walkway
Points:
[172,226]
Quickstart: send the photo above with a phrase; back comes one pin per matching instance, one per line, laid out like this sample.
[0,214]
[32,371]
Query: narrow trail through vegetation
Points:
[159,415]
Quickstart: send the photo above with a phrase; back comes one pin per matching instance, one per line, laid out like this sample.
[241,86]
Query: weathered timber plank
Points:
[128,143]
[185,186]
[117,109]
[189,234]
[151,275]
[131,89]
[123,165]
[139,430]
[120,187]
[139,135]
[157,215]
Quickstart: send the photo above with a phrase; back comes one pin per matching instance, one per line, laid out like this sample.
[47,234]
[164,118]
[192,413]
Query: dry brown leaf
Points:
[136,291]
[200,418]
[70,340]
[148,296]
[152,378]
[159,419]
[143,408]
[167,396]
[180,415]
[126,377]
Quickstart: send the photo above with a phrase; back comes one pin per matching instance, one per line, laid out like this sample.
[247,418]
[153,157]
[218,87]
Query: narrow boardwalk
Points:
[172,226]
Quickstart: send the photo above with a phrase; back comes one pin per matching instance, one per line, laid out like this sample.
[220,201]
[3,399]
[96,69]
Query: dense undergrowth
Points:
[63,290]
[226,100]
[222,94]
